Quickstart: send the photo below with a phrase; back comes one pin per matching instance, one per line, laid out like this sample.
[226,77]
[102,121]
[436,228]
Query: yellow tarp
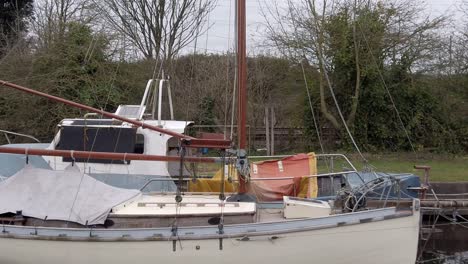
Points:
[308,186]
[313,187]
[214,184]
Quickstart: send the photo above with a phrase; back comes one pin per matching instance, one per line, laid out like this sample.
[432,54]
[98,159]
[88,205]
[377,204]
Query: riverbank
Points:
[444,168]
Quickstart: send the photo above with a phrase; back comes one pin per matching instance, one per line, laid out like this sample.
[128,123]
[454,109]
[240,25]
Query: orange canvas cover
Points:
[298,167]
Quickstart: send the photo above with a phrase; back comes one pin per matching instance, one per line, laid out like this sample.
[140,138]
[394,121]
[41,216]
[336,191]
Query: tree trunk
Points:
[323,106]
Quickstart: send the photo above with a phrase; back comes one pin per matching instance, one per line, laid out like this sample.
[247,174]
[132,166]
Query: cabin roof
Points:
[173,125]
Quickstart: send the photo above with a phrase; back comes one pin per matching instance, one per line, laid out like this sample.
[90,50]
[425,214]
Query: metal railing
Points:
[331,156]
[330,174]
[6,133]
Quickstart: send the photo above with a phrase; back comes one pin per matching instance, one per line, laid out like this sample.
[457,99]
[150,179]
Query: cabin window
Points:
[139,144]
[329,186]
[100,139]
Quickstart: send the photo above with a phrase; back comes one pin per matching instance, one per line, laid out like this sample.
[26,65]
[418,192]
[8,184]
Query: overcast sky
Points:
[221,19]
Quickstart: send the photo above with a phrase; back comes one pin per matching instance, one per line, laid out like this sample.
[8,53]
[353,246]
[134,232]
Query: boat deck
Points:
[165,205]
[161,210]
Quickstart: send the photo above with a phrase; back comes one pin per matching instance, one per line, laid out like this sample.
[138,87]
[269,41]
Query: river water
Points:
[447,245]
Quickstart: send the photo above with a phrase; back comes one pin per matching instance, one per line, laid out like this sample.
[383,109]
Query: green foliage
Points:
[378,126]
[361,39]
[206,115]
[75,67]
[346,36]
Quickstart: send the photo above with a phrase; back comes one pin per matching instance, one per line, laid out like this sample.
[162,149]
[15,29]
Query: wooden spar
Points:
[241,83]
[103,155]
[91,109]
[192,142]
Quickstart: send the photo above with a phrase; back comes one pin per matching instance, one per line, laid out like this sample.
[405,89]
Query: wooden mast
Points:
[241,84]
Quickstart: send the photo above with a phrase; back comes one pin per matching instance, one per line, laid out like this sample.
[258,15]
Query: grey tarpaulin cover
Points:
[60,195]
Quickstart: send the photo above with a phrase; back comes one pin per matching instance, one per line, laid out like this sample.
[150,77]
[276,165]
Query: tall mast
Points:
[241,83]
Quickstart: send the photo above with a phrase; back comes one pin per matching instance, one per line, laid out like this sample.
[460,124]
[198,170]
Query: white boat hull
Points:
[386,241]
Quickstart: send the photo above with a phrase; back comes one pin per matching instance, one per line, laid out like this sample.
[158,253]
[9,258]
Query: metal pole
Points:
[145,97]
[425,185]
[160,97]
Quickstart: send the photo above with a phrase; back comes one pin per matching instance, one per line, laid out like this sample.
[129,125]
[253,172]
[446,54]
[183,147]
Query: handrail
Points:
[145,95]
[307,176]
[18,134]
[252,179]
[316,155]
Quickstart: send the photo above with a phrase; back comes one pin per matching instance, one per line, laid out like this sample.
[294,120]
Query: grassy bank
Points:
[443,167]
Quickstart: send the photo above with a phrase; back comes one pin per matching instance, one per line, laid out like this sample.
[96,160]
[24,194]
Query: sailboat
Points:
[56,211]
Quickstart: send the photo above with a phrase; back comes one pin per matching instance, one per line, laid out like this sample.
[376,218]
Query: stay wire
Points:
[384,84]
[312,108]
[192,66]
[94,141]
[226,92]
[236,73]
[332,92]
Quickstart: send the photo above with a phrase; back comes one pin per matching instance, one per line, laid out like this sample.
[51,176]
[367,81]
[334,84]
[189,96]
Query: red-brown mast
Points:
[242,82]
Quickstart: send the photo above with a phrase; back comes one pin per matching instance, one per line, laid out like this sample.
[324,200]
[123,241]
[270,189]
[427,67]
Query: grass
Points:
[443,167]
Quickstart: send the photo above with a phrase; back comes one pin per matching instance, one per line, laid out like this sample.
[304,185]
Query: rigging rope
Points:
[178,197]
[111,83]
[197,35]
[233,108]
[312,108]
[226,92]
[222,198]
[182,153]
[332,92]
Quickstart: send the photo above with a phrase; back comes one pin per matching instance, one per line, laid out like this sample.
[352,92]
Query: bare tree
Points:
[458,54]
[368,34]
[158,28]
[52,16]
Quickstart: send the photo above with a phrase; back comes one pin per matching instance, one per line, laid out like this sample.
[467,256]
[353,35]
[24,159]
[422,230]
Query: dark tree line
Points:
[13,22]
